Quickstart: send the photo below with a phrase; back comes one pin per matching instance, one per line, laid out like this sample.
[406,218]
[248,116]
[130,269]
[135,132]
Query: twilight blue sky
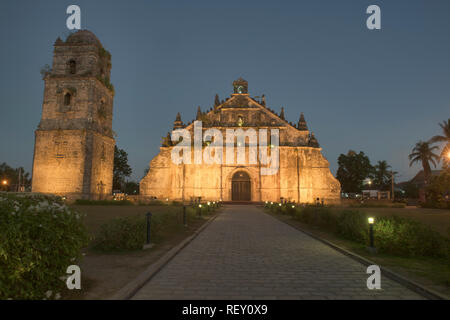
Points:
[376,91]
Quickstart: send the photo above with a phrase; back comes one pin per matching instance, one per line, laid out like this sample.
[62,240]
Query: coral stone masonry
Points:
[74,143]
[303,174]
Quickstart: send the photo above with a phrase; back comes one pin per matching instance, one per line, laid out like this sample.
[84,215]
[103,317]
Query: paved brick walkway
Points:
[246,254]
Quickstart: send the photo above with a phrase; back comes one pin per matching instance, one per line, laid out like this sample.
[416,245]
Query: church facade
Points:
[302,174]
[74,143]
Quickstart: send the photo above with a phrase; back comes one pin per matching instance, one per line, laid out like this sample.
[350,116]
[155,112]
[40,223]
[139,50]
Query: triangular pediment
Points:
[242,101]
[239,101]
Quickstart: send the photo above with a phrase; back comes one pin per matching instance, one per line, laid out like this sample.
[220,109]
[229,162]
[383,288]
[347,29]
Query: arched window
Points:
[67,98]
[72,67]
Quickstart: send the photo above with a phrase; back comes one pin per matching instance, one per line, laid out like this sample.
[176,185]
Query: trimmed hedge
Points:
[127,233]
[130,233]
[352,225]
[407,237]
[85,202]
[392,235]
[40,237]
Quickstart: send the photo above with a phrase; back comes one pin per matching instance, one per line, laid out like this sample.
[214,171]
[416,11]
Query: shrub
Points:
[324,217]
[127,233]
[85,202]
[437,190]
[407,237]
[314,215]
[40,237]
[130,233]
[352,225]
[152,203]
[305,214]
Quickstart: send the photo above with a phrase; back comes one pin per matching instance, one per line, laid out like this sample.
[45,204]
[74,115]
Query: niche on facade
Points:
[102,112]
[240,121]
[66,99]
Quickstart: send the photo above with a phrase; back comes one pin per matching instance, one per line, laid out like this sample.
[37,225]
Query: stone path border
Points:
[414,286]
[133,286]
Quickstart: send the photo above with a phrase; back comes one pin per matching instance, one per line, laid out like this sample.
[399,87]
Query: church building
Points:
[303,175]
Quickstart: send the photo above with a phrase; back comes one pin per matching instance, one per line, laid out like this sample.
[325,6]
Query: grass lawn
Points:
[438,219]
[103,273]
[432,273]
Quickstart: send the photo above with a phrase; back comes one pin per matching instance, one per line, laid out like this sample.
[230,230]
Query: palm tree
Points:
[382,175]
[445,153]
[423,152]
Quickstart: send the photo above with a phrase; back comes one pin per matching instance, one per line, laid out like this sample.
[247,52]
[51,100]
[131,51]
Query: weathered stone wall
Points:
[59,160]
[74,144]
[303,176]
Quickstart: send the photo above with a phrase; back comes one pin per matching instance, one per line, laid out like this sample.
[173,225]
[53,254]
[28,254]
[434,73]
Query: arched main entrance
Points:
[240,187]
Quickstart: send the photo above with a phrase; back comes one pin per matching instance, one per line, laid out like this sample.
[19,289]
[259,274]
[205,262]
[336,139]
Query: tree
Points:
[382,176]
[353,169]
[438,191]
[121,168]
[132,187]
[12,176]
[411,190]
[445,137]
[423,153]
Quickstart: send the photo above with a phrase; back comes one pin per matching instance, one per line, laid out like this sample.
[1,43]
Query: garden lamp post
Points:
[5,184]
[148,245]
[371,221]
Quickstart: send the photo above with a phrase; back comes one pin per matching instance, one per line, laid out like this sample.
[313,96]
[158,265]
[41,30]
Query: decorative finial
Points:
[263,100]
[282,113]
[216,101]
[313,141]
[167,140]
[177,124]
[199,113]
[302,123]
[58,41]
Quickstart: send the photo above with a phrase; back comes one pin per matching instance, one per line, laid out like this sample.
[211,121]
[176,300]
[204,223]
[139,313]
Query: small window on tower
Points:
[72,67]
[67,99]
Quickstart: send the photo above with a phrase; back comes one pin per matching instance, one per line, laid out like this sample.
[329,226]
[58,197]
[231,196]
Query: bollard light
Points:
[279,204]
[199,205]
[271,202]
[371,222]
[209,203]
[293,206]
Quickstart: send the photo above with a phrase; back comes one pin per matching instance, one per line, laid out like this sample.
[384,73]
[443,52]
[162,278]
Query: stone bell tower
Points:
[74,143]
